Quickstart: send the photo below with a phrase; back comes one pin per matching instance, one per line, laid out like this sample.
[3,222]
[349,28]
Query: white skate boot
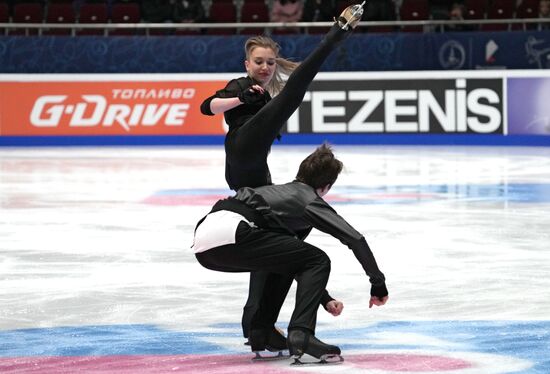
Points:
[351,16]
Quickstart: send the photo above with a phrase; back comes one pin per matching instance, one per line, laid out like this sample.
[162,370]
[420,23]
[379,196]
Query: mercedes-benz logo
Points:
[452,55]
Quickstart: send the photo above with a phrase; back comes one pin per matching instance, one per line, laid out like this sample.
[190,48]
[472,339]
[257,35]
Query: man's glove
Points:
[379,290]
[251,96]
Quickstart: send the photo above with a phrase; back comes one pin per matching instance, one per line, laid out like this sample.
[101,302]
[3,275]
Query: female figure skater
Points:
[254,118]
[282,215]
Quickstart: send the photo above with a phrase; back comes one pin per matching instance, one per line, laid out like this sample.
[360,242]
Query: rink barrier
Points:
[362,51]
[459,107]
[288,139]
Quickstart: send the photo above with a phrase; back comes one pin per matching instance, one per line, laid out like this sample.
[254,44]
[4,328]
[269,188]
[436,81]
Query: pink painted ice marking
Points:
[407,362]
[141,364]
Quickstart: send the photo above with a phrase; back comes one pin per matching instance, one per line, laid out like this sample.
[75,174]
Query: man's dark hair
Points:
[319,168]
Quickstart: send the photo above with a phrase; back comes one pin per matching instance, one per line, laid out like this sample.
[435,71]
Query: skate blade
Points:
[356,12]
[323,360]
[279,356]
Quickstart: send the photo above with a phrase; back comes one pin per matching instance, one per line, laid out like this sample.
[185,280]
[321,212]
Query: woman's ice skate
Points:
[270,340]
[302,342]
[351,16]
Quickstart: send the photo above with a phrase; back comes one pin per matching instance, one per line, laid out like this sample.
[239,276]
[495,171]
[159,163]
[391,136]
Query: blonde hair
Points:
[284,66]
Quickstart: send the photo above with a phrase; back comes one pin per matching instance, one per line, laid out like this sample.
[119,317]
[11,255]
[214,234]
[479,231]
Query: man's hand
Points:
[374,300]
[335,307]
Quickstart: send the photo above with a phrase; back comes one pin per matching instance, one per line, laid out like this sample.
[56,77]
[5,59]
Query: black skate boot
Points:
[351,16]
[272,340]
[302,342]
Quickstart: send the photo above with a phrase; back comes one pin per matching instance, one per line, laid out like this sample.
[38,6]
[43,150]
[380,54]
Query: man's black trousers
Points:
[284,258]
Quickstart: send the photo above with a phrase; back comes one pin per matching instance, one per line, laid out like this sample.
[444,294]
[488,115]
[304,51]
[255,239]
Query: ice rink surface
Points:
[96,273]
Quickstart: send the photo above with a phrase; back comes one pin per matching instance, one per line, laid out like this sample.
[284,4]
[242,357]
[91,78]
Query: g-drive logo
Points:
[401,106]
[124,108]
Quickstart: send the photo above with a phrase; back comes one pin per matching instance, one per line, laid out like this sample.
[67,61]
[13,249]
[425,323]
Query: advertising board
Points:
[458,107]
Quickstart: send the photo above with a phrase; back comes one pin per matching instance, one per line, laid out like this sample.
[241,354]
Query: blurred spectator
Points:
[456,13]
[319,11]
[287,11]
[544,12]
[188,11]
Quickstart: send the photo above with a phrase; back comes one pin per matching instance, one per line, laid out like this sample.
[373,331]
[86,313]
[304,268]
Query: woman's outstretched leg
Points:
[248,146]
[258,133]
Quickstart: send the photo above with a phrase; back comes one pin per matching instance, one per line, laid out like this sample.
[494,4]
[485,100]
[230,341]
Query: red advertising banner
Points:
[70,108]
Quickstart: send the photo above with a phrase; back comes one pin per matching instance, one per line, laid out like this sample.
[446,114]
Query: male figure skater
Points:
[262,229]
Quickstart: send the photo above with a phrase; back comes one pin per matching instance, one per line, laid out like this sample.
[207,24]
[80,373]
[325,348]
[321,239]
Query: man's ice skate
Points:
[302,342]
[270,340]
[351,16]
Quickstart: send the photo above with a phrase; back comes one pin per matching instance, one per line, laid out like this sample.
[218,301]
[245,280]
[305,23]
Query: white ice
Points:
[79,246]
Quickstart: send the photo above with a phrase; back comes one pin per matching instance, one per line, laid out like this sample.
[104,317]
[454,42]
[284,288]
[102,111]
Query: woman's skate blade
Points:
[351,16]
[329,359]
[276,356]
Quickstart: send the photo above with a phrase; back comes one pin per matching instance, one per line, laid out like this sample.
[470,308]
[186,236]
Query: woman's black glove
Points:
[251,96]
